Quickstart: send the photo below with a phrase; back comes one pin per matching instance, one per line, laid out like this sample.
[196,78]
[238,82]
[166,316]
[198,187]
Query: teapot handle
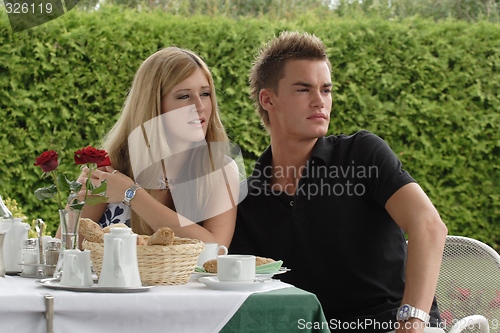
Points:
[2,262]
[117,246]
[74,266]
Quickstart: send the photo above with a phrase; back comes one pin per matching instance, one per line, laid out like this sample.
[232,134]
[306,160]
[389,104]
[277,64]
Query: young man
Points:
[335,208]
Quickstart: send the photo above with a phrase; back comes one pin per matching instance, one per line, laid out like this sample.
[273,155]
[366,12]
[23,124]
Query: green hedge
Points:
[431,90]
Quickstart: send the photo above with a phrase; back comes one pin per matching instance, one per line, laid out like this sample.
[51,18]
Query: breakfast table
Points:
[26,306]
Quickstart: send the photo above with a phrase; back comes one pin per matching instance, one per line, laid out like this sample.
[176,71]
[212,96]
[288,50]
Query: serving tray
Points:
[54,283]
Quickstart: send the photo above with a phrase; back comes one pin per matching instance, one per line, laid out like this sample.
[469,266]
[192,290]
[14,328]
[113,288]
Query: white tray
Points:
[53,283]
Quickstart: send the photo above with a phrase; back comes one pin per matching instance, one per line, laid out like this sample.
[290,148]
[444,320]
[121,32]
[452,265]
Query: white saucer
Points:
[257,275]
[214,283]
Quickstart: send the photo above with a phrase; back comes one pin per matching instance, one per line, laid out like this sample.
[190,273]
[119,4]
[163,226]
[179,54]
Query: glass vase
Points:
[68,225]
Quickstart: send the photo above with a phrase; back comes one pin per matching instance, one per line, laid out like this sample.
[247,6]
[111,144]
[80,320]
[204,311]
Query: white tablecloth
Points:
[189,308]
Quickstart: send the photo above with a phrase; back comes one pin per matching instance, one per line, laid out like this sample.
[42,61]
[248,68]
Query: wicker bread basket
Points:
[158,265]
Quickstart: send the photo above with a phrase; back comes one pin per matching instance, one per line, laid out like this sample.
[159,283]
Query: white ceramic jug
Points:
[76,269]
[119,262]
[2,264]
[16,234]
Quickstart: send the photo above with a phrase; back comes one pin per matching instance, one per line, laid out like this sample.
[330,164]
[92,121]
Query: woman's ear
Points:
[265,99]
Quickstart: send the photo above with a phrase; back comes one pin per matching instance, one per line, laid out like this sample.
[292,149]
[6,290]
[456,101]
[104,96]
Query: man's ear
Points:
[265,99]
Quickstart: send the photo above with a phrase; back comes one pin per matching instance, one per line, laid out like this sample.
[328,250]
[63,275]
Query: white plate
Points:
[55,284]
[213,282]
[258,276]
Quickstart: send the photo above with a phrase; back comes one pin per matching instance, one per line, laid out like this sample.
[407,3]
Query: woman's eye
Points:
[205,94]
[183,97]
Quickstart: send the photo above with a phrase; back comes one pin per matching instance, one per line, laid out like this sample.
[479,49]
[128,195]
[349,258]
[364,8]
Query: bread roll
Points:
[142,240]
[210,266]
[163,236]
[262,261]
[91,231]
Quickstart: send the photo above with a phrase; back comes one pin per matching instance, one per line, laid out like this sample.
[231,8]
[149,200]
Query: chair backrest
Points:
[469,282]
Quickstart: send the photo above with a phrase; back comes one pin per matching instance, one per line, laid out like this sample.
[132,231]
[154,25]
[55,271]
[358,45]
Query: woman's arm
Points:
[218,227]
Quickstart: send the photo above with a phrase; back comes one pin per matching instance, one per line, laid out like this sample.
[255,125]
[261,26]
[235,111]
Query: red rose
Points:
[105,162]
[47,161]
[92,155]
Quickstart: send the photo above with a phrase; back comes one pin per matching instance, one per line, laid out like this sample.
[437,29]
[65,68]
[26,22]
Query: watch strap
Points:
[407,311]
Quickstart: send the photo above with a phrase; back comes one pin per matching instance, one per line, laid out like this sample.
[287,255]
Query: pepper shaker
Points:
[51,257]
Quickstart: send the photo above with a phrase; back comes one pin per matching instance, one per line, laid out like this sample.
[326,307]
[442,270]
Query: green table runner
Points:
[280,311]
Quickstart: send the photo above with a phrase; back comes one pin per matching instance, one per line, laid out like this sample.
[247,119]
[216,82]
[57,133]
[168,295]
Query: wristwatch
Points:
[407,311]
[130,193]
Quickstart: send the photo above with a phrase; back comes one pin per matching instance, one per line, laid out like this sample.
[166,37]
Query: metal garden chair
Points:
[468,290]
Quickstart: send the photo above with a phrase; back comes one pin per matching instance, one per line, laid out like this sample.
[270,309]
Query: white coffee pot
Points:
[16,232]
[2,264]
[119,263]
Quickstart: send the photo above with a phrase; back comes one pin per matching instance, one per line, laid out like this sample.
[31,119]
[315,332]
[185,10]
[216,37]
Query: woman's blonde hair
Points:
[155,78]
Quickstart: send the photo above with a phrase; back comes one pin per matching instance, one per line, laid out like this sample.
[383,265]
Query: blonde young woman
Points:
[169,154]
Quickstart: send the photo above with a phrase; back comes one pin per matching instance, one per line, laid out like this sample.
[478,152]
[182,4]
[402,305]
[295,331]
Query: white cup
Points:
[210,251]
[76,269]
[236,268]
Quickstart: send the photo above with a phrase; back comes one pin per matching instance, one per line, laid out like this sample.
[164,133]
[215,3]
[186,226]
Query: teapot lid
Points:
[120,231]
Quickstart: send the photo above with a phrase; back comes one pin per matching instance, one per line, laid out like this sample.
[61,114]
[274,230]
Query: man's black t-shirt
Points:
[334,233]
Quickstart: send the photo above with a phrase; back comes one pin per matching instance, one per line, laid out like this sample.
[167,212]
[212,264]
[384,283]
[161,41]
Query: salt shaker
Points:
[51,257]
[30,257]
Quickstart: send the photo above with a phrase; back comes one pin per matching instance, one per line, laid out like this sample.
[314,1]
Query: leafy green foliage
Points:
[467,10]
[431,90]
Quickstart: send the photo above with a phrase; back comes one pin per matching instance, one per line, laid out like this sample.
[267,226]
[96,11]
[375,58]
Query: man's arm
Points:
[412,210]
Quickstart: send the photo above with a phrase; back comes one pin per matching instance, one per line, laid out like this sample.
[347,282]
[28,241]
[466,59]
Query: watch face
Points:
[404,312]
[129,194]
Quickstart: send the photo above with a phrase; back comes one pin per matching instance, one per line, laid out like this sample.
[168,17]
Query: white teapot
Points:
[16,232]
[119,263]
